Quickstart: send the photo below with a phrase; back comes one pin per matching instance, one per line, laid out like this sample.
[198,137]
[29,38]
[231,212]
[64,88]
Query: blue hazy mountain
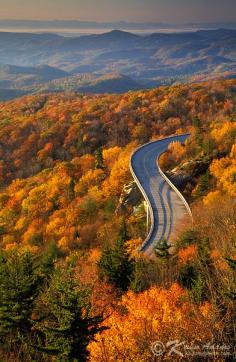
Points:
[77,24]
[35,60]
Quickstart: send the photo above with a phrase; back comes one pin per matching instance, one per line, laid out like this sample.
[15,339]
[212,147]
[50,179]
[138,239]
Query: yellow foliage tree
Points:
[154,315]
[119,175]
[91,178]
[211,197]
[224,135]
[110,156]
[177,150]
[225,172]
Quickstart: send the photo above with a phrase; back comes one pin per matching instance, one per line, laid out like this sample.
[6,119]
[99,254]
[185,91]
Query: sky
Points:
[171,11]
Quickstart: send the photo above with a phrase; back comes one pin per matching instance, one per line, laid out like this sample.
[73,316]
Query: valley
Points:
[117,191]
[112,62]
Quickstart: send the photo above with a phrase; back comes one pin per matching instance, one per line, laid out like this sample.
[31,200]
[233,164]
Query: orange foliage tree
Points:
[225,171]
[154,315]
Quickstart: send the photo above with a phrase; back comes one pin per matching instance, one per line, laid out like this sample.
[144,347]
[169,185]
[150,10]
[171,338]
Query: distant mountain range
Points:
[17,81]
[115,61]
[13,76]
[73,24]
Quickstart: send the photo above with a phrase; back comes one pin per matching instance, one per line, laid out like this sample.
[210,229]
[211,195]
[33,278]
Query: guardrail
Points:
[165,178]
[176,190]
[146,199]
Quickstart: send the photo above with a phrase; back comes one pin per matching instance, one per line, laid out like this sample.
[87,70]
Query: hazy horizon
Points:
[94,31]
[120,21]
[160,11]
[78,28]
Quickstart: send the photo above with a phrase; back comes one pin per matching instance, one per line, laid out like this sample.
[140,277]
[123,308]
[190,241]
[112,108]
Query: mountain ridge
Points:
[148,60]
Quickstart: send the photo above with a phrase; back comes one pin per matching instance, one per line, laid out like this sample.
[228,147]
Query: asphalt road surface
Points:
[168,209]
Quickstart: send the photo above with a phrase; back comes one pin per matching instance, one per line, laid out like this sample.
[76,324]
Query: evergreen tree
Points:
[197,289]
[71,189]
[209,147]
[204,251]
[137,283]
[203,185]
[187,238]
[115,263]
[162,249]
[45,262]
[66,326]
[198,132]
[189,277]
[18,290]
[99,161]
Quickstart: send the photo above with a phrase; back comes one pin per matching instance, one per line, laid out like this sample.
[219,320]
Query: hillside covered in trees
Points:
[72,285]
[115,61]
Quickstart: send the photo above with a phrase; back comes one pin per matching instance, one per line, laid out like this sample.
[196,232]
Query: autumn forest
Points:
[73,286]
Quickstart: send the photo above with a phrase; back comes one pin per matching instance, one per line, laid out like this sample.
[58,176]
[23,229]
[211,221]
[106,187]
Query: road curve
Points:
[167,207]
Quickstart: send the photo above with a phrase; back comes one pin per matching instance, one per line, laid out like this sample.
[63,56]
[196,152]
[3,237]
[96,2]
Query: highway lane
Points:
[167,207]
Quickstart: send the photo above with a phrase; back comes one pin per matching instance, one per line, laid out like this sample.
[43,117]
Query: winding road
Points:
[167,207]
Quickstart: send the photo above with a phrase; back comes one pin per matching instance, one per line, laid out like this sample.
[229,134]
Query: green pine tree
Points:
[203,247]
[189,277]
[203,185]
[137,283]
[99,161]
[65,326]
[162,249]
[198,132]
[44,263]
[197,289]
[71,189]
[209,147]
[115,263]
[18,290]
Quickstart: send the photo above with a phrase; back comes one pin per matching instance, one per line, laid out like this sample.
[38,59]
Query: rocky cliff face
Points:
[186,176]
[180,176]
[131,197]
